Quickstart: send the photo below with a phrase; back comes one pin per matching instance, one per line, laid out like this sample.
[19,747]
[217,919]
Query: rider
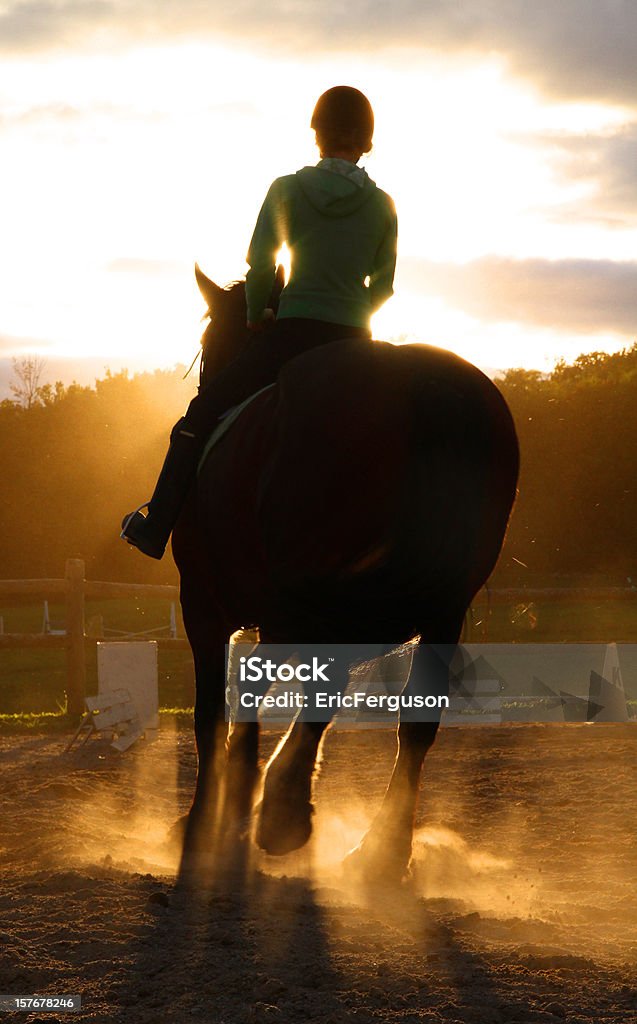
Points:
[341,232]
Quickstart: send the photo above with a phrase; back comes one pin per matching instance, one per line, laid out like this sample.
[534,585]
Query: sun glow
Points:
[284,259]
[164,155]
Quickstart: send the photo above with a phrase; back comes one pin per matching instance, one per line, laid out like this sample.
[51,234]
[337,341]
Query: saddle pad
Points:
[226,423]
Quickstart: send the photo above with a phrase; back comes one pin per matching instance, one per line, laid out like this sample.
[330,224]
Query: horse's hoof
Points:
[282,830]
[373,864]
[284,815]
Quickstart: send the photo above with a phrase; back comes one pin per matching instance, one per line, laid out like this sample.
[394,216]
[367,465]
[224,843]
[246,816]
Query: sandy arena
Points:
[522,908]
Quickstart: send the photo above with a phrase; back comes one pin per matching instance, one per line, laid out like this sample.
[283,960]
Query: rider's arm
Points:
[381,281]
[268,237]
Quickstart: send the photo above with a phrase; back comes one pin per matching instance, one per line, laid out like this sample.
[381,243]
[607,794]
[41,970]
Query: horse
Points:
[364,496]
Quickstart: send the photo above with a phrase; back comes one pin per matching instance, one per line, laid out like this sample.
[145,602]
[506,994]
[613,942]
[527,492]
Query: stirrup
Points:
[128,519]
[134,532]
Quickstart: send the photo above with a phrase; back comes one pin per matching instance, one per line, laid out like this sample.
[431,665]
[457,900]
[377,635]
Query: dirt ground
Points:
[522,906]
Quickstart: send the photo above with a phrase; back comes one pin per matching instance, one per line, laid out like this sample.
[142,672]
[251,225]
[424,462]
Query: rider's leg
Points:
[150,533]
[256,367]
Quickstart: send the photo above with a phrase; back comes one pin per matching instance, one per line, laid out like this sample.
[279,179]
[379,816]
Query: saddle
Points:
[227,422]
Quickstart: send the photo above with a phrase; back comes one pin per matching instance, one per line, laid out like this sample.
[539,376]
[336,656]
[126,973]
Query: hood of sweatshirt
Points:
[334,194]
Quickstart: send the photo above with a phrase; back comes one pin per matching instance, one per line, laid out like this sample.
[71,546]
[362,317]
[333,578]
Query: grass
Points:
[130,614]
[27,722]
[52,722]
[33,682]
[554,622]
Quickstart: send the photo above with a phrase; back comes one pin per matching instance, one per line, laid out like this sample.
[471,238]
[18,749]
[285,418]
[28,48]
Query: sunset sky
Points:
[138,137]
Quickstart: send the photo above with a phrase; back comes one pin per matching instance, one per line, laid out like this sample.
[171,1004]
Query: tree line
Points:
[576,512]
[74,459]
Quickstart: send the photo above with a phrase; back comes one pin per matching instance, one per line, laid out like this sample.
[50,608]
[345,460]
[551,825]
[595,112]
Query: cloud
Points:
[16,345]
[141,265]
[62,114]
[43,24]
[608,162]
[43,113]
[573,295]
[576,49]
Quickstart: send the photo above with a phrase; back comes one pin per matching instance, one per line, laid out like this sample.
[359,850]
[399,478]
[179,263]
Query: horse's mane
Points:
[226,329]
[226,333]
[232,304]
[232,285]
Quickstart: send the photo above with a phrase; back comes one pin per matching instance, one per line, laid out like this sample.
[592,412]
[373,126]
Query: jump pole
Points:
[75,657]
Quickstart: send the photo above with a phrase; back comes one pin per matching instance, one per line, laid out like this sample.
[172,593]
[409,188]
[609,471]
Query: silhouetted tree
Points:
[73,463]
[27,372]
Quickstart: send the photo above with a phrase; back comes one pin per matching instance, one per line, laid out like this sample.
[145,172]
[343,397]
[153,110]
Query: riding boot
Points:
[150,533]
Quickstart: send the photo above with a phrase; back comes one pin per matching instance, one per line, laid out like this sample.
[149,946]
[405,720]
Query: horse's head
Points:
[227,333]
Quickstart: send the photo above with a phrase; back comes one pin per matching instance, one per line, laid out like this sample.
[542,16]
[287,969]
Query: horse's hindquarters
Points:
[389,491]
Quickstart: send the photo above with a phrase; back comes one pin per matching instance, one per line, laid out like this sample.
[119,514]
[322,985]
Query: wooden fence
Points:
[75,589]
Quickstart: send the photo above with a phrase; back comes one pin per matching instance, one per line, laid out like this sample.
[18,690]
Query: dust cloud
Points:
[520,905]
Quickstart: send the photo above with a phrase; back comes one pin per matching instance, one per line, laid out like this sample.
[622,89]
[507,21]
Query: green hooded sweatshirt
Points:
[341,232]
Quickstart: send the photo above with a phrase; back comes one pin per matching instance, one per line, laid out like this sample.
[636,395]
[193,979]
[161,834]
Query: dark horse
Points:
[363,498]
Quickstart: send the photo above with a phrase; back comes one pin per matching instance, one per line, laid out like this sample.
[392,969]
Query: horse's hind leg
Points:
[241,776]
[285,818]
[385,850]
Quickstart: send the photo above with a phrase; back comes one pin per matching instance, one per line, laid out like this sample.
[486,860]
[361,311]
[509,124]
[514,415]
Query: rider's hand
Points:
[266,317]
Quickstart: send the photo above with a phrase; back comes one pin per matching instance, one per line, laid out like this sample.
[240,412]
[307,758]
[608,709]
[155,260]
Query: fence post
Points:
[75,659]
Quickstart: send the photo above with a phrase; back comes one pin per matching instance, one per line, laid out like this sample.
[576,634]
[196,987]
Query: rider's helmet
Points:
[343,119]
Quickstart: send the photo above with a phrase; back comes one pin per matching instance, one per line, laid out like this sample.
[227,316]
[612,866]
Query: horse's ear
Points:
[208,288]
